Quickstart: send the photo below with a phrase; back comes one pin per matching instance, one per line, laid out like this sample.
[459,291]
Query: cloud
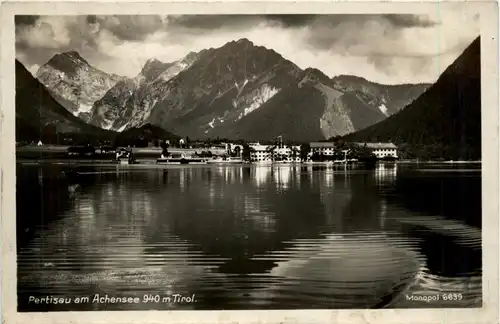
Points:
[25,20]
[128,27]
[408,21]
[383,48]
[212,22]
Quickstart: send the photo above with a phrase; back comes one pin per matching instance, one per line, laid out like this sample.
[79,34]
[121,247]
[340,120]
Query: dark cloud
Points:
[128,28]
[213,22]
[290,21]
[91,19]
[409,21]
[27,20]
[293,20]
[138,27]
[395,20]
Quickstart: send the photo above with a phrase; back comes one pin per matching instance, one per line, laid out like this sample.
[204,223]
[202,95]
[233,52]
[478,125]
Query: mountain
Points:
[245,91]
[444,121]
[74,83]
[37,111]
[129,101]
[317,107]
[389,99]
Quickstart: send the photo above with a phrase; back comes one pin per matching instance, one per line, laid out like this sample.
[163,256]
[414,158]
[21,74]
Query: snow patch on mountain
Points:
[121,129]
[172,71]
[84,108]
[240,89]
[383,109]
[256,98]
[214,121]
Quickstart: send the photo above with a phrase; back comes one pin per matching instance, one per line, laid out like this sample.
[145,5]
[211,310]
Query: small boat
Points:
[230,160]
[181,160]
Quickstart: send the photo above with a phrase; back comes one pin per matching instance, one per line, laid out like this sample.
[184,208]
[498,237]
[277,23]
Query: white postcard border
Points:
[488,12]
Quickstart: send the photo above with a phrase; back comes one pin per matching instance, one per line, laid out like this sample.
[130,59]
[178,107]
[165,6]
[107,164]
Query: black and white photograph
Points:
[198,161]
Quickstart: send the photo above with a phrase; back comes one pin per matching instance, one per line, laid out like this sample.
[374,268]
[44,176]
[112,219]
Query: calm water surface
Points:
[247,237]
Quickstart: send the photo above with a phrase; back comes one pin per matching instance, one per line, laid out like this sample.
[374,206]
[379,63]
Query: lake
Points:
[247,237]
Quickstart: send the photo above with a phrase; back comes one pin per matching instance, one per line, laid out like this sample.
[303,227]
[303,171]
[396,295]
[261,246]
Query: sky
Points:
[389,49]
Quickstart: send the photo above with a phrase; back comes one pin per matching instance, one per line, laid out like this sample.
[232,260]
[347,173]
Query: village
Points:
[277,152]
[184,151]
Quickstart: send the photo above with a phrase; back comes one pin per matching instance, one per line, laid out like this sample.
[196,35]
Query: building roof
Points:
[378,145]
[260,147]
[322,144]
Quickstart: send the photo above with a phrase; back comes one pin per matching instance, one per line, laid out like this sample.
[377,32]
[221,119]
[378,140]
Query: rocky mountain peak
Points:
[153,67]
[74,55]
[244,41]
[74,83]
[244,44]
[243,56]
[67,62]
[152,61]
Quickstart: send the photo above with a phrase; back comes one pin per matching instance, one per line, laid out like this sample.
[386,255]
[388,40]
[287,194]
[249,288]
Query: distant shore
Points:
[437,162]
[59,152]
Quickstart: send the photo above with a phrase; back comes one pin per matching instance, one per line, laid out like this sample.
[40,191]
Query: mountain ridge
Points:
[210,94]
[224,85]
[444,120]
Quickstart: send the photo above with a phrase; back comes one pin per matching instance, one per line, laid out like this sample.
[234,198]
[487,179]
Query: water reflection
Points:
[261,174]
[239,237]
[334,268]
[282,176]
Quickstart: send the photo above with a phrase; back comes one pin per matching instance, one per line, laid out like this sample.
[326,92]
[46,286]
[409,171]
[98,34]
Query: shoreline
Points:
[148,161]
[58,152]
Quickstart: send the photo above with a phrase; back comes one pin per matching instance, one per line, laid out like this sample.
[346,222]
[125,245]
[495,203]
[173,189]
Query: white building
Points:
[260,153]
[288,152]
[382,150]
[323,148]
[269,153]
